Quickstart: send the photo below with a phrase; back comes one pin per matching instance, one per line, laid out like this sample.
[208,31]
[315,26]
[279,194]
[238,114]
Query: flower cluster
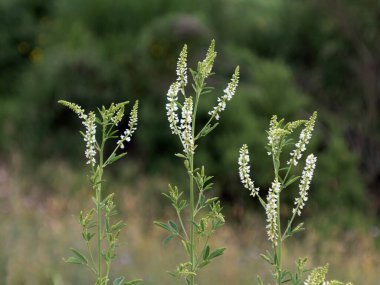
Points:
[275,135]
[116,112]
[229,92]
[182,68]
[317,276]
[75,108]
[132,126]
[307,175]
[304,139]
[244,171]
[172,108]
[90,134]
[186,126]
[90,138]
[206,65]
[271,211]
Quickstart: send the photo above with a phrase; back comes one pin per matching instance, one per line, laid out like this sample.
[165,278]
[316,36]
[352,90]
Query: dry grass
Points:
[39,225]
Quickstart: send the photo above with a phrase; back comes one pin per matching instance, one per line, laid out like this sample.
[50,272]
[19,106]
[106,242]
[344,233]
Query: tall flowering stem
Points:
[98,228]
[195,229]
[279,137]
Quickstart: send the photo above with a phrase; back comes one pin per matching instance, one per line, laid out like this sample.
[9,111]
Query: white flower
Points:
[307,176]
[172,108]
[271,211]
[229,92]
[244,171]
[132,126]
[186,126]
[182,68]
[90,137]
[303,141]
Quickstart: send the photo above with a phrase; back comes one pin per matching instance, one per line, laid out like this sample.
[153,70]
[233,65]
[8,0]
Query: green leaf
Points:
[211,200]
[259,281]
[105,200]
[73,260]
[167,239]
[217,252]
[268,257]
[174,226]
[291,181]
[298,228]
[206,252]
[80,256]
[182,205]
[180,155]
[187,247]
[203,263]
[118,226]
[118,280]
[114,157]
[88,236]
[162,225]
[135,281]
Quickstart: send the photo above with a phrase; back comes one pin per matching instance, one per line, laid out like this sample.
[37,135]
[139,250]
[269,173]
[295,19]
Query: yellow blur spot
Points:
[35,55]
[23,47]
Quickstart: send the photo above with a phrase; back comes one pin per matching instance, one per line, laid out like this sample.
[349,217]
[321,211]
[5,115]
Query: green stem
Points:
[278,247]
[99,199]
[99,227]
[279,243]
[192,238]
[191,185]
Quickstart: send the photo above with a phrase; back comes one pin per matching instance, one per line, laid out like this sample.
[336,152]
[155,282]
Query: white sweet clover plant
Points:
[197,217]
[99,231]
[280,136]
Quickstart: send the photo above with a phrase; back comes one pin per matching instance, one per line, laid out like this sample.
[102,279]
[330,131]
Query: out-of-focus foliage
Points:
[295,57]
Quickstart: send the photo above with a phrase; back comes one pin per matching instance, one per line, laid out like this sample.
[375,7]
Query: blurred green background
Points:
[295,57]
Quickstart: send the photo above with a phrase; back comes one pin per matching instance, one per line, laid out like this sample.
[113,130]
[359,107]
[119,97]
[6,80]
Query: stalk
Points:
[191,185]
[99,180]
[279,243]
[192,239]
[99,229]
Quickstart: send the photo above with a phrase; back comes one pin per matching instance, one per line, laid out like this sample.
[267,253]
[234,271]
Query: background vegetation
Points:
[295,57]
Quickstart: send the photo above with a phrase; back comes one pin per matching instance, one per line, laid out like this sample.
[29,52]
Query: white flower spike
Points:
[186,126]
[244,171]
[307,176]
[271,211]
[132,126]
[229,92]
